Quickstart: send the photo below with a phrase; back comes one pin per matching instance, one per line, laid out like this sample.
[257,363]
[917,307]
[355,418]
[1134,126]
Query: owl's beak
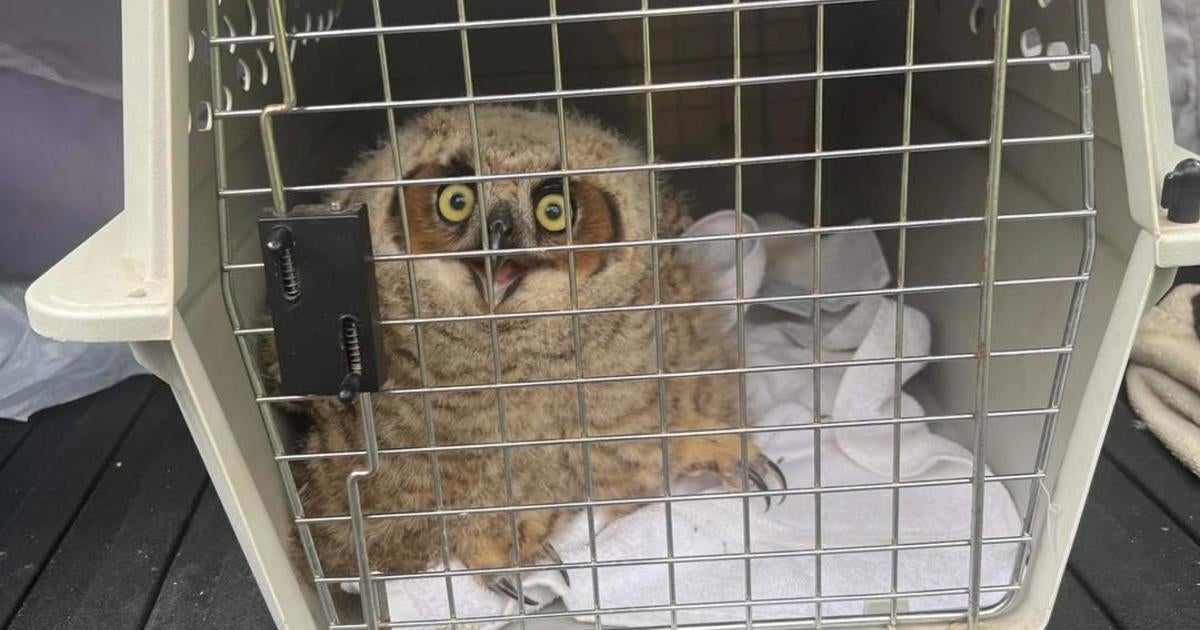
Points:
[506,271]
[496,233]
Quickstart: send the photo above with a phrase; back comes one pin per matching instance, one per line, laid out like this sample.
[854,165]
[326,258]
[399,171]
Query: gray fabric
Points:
[60,170]
[75,43]
[60,120]
[1181,35]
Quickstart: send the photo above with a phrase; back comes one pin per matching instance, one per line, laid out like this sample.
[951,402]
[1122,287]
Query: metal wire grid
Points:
[990,220]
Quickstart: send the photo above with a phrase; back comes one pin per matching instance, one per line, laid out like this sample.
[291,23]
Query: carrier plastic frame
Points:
[149,278]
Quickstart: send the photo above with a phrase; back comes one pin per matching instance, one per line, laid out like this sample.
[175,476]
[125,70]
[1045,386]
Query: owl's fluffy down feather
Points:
[516,140]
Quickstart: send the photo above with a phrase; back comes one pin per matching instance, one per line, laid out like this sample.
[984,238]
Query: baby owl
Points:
[616,340]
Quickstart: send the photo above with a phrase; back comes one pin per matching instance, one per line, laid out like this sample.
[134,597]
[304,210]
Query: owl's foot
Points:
[493,552]
[490,548]
[722,455]
[552,553]
[503,584]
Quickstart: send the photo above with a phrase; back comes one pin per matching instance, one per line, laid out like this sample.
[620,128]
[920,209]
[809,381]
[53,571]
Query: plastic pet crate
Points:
[1009,156]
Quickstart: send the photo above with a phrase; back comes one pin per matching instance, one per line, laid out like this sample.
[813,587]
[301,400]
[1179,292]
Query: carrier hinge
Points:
[1181,192]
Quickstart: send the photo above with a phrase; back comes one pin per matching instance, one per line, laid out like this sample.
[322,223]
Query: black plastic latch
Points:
[324,306]
[1181,192]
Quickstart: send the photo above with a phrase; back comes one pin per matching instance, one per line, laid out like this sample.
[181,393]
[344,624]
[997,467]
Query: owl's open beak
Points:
[506,271]
[506,276]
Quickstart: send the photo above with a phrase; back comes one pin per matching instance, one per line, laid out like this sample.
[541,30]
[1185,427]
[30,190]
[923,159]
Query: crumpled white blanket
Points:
[853,328]
[1163,380]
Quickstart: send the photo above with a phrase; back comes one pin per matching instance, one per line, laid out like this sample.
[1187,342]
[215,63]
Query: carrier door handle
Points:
[1178,236]
[1181,192]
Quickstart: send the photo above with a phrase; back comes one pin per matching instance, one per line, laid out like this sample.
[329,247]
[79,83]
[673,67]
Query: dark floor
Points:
[107,520]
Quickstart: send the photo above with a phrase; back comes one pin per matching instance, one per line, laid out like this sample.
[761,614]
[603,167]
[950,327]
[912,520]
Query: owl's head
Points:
[516,214]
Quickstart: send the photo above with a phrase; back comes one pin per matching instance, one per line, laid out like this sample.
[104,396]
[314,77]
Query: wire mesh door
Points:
[281,35]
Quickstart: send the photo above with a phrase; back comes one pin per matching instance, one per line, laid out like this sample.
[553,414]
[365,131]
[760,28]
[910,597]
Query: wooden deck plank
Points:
[1155,471]
[1132,557]
[209,585]
[12,434]
[44,437]
[44,483]
[1075,608]
[108,567]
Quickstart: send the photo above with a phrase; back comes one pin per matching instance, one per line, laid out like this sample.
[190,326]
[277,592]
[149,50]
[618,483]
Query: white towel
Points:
[1163,380]
[857,328]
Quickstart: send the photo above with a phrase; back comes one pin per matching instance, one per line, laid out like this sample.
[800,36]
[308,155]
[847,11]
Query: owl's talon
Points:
[758,482]
[783,484]
[757,472]
[503,585]
[723,455]
[553,553]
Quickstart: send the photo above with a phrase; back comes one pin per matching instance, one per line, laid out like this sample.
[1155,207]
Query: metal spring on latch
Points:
[279,243]
[354,358]
[289,276]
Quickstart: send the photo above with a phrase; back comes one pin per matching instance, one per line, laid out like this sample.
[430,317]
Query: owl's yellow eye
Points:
[551,213]
[456,202]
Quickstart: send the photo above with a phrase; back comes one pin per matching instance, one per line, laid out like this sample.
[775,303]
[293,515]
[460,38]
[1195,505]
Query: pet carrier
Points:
[990,176]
